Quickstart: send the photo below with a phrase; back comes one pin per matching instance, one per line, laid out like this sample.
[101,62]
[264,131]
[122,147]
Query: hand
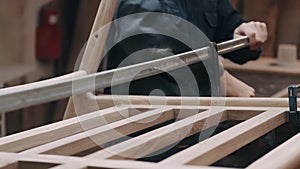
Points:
[256,31]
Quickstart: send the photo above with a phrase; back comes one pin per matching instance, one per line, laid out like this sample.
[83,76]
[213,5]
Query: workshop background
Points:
[20,45]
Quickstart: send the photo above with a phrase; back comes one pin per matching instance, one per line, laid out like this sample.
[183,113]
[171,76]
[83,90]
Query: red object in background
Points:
[48,34]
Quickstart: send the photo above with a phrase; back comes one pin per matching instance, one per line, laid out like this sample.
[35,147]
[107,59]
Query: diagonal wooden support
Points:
[92,56]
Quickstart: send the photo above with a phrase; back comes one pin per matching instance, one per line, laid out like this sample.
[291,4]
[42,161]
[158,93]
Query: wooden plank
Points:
[45,134]
[77,162]
[99,136]
[160,138]
[286,156]
[82,142]
[86,14]
[242,114]
[112,100]
[93,53]
[233,113]
[225,143]
[53,132]
[91,57]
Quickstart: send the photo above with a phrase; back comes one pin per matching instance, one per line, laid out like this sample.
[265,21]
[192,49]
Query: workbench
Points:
[266,75]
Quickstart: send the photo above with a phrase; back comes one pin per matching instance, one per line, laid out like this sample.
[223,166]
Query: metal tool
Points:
[232,45]
[294,116]
[13,100]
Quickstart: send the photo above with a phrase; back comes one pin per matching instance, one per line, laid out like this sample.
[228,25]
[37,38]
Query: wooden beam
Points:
[112,100]
[157,139]
[93,53]
[97,137]
[97,41]
[225,143]
[285,156]
[78,163]
[46,134]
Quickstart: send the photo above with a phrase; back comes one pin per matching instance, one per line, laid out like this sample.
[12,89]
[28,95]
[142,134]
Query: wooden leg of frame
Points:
[94,50]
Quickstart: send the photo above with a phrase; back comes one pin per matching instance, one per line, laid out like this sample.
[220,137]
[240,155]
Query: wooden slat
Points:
[191,118]
[83,142]
[225,143]
[93,53]
[157,139]
[233,113]
[286,156]
[96,43]
[242,114]
[45,134]
[76,162]
[102,135]
[111,100]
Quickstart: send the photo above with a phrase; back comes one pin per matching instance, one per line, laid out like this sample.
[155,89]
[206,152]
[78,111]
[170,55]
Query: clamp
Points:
[294,116]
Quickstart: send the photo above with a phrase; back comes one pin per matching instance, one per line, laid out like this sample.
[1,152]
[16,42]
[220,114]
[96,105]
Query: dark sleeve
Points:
[124,47]
[228,20]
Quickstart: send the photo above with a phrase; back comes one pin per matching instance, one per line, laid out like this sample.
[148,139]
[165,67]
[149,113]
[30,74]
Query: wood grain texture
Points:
[93,53]
[221,145]
[42,135]
[96,43]
[99,136]
[105,101]
[157,139]
[79,163]
[69,137]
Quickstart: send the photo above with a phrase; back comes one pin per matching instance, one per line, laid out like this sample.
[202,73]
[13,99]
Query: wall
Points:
[265,11]
[11,31]
[281,16]
[289,22]
[18,20]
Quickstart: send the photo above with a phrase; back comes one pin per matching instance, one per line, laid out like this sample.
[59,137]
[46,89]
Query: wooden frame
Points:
[119,131]
[53,145]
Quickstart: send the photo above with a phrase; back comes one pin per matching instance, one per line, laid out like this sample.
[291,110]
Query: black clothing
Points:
[215,18]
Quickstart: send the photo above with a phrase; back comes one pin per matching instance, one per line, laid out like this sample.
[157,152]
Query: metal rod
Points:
[233,45]
[13,100]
